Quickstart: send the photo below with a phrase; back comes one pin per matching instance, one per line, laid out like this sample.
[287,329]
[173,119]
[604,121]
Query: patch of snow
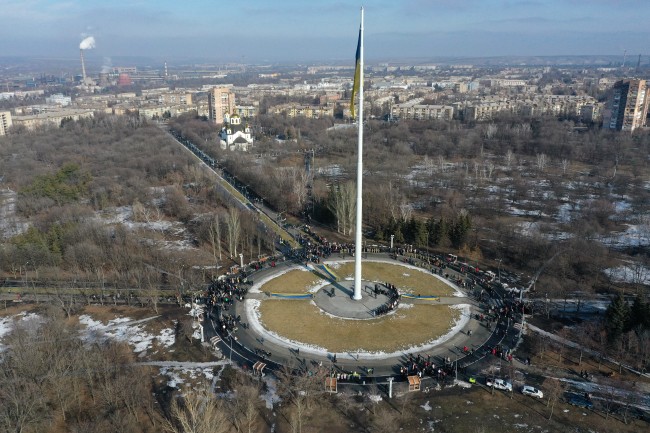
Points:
[251,307]
[173,375]
[125,329]
[6,325]
[271,396]
[10,223]
[637,274]
[426,406]
[375,398]
[183,372]
[635,235]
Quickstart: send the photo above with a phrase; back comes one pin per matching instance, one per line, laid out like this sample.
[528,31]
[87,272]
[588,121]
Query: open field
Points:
[422,323]
[406,279]
[295,281]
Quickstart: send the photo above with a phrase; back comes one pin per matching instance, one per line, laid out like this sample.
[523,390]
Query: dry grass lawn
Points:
[108,312]
[406,328]
[407,280]
[296,281]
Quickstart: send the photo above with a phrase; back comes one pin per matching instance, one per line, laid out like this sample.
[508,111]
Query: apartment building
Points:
[51,117]
[422,111]
[246,111]
[5,121]
[221,102]
[627,109]
[299,110]
[487,110]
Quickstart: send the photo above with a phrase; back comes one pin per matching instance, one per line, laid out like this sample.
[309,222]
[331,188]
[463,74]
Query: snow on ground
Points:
[426,406]
[7,324]
[182,375]
[125,329]
[259,283]
[578,305]
[124,215]
[637,274]
[256,288]
[457,292]
[251,307]
[10,223]
[270,397]
[635,235]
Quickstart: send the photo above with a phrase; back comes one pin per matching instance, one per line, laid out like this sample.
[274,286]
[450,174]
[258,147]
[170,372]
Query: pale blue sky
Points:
[301,30]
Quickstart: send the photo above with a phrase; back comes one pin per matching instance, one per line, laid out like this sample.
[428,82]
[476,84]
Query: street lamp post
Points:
[241,260]
[230,355]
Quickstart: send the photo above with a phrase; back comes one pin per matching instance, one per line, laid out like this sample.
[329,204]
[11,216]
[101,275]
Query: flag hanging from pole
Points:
[357,76]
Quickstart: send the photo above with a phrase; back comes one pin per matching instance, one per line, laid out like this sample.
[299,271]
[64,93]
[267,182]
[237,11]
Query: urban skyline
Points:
[324,29]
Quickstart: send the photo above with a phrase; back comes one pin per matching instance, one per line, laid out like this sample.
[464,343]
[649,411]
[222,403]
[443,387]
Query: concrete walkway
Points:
[283,352]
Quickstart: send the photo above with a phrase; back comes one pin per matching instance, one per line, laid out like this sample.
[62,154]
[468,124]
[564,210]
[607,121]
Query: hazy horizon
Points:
[323,30]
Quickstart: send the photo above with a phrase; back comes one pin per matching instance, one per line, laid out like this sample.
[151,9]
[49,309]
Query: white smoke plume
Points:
[87,43]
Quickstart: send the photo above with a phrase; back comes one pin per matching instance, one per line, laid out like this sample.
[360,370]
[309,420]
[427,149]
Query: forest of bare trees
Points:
[524,188]
[114,202]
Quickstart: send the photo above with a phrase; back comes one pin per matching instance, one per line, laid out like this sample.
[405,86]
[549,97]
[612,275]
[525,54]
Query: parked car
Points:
[532,391]
[577,400]
[499,384]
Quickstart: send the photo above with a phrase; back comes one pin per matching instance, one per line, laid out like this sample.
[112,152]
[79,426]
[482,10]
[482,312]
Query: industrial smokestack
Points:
[87,44]
[83,66]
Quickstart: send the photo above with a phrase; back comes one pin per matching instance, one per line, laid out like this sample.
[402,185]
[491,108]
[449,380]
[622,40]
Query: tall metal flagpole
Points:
[358,241]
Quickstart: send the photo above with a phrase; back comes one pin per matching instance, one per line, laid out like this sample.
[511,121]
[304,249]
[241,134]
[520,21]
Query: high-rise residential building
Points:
[628,106]
[221,102]
[5,121]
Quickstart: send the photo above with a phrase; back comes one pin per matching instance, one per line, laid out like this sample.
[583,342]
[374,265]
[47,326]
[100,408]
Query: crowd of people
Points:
[221,296]
[421,366]
[391,292]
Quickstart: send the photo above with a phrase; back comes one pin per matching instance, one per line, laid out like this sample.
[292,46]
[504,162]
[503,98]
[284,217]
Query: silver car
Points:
[532,391]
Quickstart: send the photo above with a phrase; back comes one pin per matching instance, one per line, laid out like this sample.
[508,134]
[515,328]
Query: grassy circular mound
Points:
[295,281]
[407,280]
[408,327]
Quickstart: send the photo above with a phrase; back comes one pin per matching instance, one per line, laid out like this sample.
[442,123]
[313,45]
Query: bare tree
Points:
[509,157]
[301,390]
[342,203]
[233,224]
[565,165]
[214,238]
[244,407]
[491,131]
[384,421]
[197,412]
[542,161]
[555,392]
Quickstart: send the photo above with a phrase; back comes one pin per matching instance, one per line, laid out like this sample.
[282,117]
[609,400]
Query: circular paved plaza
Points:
[299,313]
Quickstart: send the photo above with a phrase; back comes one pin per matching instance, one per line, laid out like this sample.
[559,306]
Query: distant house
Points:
[234,135]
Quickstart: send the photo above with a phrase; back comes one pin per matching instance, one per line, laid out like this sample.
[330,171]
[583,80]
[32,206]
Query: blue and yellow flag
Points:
[357,76]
